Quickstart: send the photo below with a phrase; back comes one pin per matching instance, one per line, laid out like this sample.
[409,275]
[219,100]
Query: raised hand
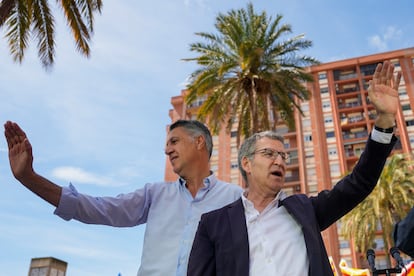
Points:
[21,163]
[383,93]
[20,150]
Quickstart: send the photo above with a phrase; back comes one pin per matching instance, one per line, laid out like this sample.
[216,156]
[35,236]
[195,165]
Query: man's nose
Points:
[278,160]
[168,150]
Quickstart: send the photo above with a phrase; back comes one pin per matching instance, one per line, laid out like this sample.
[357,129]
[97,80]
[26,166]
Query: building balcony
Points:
[354,135]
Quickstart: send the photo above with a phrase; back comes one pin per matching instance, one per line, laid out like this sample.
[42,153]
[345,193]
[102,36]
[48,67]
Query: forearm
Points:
[42,187]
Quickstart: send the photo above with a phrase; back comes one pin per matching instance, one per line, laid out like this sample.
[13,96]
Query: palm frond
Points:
[18,28]
[6,7]
[78,27]
[43,29]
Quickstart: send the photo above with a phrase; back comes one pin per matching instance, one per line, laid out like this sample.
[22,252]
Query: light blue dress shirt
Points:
[168,209]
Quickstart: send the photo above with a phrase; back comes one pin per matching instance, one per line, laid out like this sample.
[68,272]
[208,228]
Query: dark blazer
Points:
[404,234]
[221,244]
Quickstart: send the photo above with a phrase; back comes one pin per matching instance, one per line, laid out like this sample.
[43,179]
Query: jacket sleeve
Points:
[202,256]
[331,205]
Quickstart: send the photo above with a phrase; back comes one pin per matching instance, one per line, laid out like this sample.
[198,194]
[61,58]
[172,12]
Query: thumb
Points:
[28,146]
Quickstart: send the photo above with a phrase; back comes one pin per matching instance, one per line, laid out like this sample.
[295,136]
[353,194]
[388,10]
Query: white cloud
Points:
[392,33]
[377,42]
[78,175]
[381,41]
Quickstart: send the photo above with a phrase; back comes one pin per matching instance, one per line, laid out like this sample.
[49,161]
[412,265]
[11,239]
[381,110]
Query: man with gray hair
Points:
[267,232]
[171,210]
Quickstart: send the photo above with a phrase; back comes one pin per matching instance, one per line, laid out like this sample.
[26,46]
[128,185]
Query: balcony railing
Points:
[350,104]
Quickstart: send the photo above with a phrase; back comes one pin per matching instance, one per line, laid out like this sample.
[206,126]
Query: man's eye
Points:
[268,153]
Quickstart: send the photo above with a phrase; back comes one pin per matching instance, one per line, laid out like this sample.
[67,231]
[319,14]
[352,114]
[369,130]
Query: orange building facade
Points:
[330,136]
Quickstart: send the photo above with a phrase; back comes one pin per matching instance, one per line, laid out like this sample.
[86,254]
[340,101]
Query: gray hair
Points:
[194,129]
[248,147]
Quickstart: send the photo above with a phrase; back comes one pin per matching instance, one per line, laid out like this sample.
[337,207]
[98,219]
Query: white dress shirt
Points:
[276,242]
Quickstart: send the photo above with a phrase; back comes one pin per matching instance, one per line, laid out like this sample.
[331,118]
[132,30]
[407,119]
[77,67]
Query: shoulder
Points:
[160,187]
[223,210]
[297,199]
[228,186]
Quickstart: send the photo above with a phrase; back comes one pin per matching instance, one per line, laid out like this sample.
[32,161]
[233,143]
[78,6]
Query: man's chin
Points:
[176,170]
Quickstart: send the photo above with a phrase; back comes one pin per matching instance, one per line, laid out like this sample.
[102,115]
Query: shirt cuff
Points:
[66,208]
[381,137]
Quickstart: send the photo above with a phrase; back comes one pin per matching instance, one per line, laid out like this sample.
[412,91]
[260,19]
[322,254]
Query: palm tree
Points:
[390,201]
[250,71]
[24,18]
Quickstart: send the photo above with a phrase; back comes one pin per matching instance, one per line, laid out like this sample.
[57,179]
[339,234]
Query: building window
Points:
[234,165]
[322,76]
[305,107]
[344,244]
[368,69]
[328,120]
[324,90]
[402,92]
[335,168]
[308,138]
[406,107]
[409,123]
[330,134]
[198,102]
[326,104]
[233,134]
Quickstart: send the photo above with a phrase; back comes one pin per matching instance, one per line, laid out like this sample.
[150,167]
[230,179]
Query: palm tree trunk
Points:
[252,94]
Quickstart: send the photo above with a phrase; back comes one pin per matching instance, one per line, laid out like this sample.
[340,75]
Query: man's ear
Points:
[200,142]
[246,164]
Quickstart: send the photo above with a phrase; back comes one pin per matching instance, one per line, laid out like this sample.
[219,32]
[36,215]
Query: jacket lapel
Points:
[239,236]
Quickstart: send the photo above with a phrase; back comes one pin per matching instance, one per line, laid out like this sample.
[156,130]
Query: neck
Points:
[195,182]
[260,201]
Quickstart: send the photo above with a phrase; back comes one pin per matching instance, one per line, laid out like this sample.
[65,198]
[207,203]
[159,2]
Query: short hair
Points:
[194,129]
[248,147]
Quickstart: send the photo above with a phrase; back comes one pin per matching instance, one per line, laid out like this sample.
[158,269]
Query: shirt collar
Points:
[281,195]
[209,182]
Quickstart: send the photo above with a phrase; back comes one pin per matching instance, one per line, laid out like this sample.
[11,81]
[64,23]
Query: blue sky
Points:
[100,122]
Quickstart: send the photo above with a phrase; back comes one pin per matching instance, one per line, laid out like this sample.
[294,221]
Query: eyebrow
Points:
[172,138]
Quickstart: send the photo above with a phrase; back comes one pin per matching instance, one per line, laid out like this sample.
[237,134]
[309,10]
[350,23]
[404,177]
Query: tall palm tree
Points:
[25,18]
[390,201]
[250,71]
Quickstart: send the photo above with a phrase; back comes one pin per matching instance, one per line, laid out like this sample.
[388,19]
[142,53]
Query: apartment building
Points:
[330,136]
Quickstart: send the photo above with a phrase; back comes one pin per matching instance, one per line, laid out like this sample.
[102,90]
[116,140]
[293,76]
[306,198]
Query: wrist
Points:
[385,121]
[385,130]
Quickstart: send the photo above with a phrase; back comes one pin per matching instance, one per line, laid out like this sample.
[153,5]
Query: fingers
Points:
[389,75]
[14,134]
[377,74]
[384,74]
[396,82]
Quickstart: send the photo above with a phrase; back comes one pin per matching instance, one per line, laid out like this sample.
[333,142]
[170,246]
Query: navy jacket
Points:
[404,234]
[221,243]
